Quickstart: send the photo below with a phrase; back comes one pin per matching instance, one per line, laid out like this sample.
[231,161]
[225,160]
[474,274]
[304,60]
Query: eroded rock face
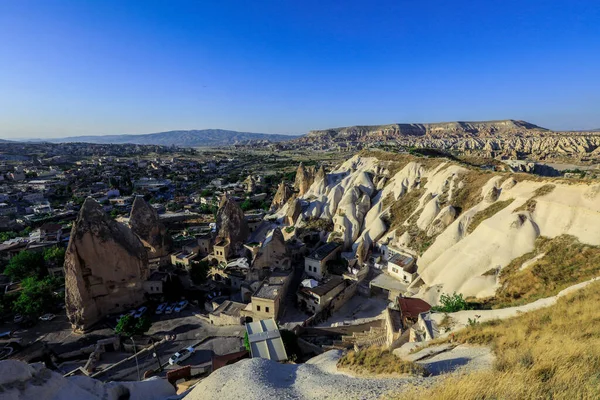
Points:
[144,222]
[304,178]
[284,193]
[293,212]
[105,266]
[232,226]
[273,252]
[445,217]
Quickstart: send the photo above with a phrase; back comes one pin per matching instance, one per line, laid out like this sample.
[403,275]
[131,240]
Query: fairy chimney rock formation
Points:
[232,226]
[145,223]
[283,194]
[293,212]
[105,266]
[304,178]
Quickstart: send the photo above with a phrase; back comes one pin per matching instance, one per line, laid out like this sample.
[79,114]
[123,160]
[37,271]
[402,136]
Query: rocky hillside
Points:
[191,138]
[469,228]
[432,130]
[498,139]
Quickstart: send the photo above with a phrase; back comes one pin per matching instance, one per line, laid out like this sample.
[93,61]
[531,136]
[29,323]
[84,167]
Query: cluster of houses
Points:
[257,269]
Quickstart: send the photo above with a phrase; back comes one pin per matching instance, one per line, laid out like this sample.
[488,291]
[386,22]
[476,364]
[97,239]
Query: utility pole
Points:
[155,354]
[137,366]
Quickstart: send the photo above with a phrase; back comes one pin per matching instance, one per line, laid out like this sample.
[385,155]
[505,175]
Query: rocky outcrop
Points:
[304,179]
[272,253]
[232,227]
[20,380]
[506,139]
[105,265]
[445,217]
[283,194]
[144,222]
[293,212]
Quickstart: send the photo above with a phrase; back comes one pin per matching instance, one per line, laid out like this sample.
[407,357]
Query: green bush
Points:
[130,326]
[451,303]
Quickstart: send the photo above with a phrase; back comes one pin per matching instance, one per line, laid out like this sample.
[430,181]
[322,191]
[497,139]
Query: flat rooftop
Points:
[406,262]
[271,287]
[387,282]
[323,251]
[326,287]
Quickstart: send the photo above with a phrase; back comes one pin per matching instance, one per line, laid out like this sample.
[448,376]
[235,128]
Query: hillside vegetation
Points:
[551,353]
[375,360]
[564,261]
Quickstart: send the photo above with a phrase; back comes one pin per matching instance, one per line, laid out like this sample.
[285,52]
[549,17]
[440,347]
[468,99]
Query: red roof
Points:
[412,307]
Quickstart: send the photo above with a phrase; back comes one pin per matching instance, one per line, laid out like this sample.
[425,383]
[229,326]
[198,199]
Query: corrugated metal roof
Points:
[265,340]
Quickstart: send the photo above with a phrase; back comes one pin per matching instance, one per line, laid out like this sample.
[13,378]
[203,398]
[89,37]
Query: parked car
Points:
[181,305]
[18,319]
[181,355]
[47,317]
[170,308]
[141,311]
[161,308]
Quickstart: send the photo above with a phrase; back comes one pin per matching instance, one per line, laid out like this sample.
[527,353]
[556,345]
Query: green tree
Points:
[4,236]
[246,205]
[199,272]
[130,326]
[36,296]
[26,264]
[54,256]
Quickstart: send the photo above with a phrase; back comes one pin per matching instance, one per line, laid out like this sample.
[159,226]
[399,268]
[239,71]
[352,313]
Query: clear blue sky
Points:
[108,67]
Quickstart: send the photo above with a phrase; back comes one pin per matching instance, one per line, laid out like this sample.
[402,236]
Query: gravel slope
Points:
[317,379]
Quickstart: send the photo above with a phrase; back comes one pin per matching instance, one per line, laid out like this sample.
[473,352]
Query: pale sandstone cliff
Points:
[105,265]
[232,226]
[426,206]
[506,139]
[144,222]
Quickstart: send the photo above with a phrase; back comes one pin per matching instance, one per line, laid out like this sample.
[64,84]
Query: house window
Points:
[395,270]
[266,309]
[257,308]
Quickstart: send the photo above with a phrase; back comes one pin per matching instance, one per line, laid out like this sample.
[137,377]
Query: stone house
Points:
[314,264]
[228,313]
[402,267]
[221,251]
[266,300]
[316,299]
[154,284]
[183,259]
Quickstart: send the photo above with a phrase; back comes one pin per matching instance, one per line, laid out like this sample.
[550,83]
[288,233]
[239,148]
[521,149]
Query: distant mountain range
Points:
[192,138]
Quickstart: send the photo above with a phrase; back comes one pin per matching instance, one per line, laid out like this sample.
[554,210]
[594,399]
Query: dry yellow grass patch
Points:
[375,360]
[566,261]
[489,212]
[402,208]
[470,194]
[552,353]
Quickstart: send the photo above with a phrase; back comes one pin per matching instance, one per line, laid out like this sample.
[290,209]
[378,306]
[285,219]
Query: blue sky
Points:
[108,67]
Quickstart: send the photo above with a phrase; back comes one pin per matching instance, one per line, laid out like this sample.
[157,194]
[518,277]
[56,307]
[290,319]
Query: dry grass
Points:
[375,360]
[489,212]
[566,261]
[530,204]
[401,209]
[470,194]
[395,161]
[552,353]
